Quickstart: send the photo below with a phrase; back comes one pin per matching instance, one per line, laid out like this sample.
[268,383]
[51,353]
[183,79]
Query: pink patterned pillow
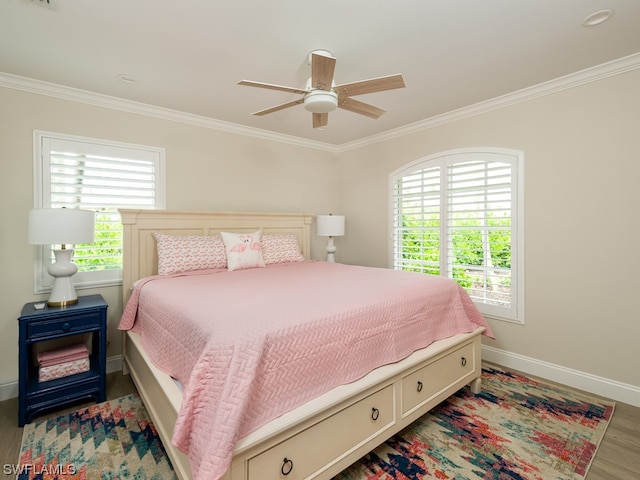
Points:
[243,250]
[281,249]
[185,253]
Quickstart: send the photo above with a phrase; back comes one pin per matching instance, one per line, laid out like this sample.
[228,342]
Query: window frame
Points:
[42,199]
[442,160]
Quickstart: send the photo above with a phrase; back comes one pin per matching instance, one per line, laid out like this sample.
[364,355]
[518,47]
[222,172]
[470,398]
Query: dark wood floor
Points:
[618,457]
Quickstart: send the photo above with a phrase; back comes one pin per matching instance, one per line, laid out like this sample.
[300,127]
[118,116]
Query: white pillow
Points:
[281,249]
[243,250]
[184,253]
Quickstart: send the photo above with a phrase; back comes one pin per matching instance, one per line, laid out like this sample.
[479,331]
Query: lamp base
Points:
[63,292]
[64,303]
[331,251]
[58,300]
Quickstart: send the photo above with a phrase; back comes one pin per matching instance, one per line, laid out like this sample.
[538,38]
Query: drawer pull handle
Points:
[419,386]
[464,362]
[287,466]
[66,326]
[375,414]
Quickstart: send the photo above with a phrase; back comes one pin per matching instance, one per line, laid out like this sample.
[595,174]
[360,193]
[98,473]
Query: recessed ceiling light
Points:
[596,18]
[126,78]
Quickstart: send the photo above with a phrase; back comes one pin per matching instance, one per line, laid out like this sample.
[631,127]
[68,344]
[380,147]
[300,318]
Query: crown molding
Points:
[615,67]
[599,72]
[97,99]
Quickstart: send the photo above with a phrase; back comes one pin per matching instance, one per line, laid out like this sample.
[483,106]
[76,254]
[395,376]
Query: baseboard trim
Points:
[601,386]
[10,389]
[114,364]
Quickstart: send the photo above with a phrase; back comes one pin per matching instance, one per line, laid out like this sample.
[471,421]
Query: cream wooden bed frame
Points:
[325,435]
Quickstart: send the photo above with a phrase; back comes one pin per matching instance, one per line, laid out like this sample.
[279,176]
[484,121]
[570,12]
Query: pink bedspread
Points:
[249,345]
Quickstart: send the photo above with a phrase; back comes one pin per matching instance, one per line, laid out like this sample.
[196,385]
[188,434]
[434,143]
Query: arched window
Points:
[460,214]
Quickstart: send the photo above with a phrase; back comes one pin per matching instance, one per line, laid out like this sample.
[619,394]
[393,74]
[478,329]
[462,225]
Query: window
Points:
[98,175]
[460,214]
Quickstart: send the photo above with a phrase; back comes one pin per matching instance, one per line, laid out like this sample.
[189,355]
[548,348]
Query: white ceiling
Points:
[188,55]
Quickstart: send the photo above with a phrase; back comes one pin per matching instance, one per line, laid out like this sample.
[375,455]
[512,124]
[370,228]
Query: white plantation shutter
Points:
[458,215]
[100,176]
[416,221]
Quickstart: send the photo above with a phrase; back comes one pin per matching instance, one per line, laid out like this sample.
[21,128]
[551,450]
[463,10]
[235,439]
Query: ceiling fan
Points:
[321,96]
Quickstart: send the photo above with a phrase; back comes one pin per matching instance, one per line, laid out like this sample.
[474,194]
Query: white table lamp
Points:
[330,226]
[61,226]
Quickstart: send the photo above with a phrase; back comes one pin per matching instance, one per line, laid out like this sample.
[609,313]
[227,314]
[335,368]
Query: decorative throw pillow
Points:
[243,250]
[185,253]
[281,249]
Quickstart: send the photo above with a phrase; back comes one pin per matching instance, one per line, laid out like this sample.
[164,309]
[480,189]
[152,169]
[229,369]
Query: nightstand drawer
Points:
[64,326]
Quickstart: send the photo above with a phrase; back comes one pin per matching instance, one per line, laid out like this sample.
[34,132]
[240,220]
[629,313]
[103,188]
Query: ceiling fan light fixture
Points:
[321,101]
[320,95]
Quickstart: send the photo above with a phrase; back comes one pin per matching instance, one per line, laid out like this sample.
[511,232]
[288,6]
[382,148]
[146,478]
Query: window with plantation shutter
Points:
[98,175]
[460,214]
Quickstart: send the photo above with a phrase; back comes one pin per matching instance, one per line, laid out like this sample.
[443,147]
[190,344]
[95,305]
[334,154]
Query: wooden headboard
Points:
[140,257]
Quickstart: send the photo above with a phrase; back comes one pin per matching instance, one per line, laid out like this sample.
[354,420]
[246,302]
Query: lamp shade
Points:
[330,225]
[58,226]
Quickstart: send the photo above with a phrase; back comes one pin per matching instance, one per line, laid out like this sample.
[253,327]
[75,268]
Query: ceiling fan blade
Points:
[271,86]
[373,85]
[362,108]
[320,120]
[322,68]
[279,107]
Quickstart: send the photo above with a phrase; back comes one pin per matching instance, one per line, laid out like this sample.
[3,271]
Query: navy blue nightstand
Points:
[89,315]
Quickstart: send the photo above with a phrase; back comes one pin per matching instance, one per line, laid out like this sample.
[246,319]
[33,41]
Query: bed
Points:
[301,432]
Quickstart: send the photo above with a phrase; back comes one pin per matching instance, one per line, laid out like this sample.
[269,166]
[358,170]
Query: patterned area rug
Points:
[516,428]
[108,441]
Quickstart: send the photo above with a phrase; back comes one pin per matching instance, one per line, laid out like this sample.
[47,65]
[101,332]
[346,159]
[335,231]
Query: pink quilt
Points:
[250,345]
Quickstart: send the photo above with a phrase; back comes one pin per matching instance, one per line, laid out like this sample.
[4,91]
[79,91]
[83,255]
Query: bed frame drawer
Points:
[422,385]
[308,453]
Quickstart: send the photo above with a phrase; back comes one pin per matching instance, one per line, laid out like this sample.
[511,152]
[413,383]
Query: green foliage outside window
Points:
[106,251]
[421,244]
[420,247]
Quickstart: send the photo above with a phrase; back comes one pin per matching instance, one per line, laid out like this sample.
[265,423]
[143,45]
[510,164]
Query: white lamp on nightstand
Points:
[61,226]
[330,226]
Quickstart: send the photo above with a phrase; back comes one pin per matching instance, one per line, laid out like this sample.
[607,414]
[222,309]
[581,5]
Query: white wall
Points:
[582,169]
[205,170]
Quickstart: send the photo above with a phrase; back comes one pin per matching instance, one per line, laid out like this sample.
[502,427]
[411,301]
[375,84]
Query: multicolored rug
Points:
[516,428]
[108,441]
